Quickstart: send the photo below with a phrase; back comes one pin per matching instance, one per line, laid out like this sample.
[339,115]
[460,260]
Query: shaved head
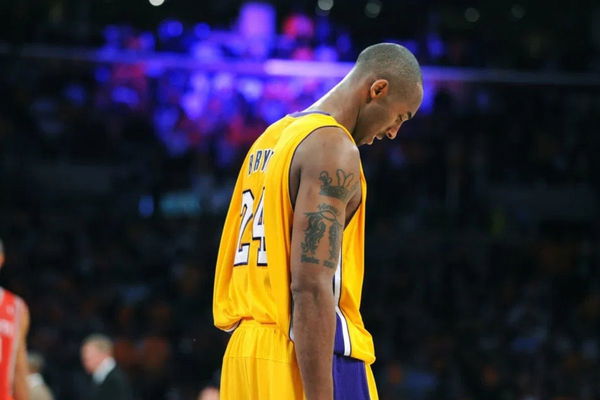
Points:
[381,92]
[394,63]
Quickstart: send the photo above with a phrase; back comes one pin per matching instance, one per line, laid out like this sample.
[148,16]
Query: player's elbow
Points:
[314,287]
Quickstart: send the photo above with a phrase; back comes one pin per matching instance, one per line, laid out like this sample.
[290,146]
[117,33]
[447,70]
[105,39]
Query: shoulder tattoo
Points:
[343,186]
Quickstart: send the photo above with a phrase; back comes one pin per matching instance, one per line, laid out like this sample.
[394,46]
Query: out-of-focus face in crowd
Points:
[209,393]
[92,356]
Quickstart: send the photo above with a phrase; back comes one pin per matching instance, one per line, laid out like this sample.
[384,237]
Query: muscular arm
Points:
[327,166]
[21,390]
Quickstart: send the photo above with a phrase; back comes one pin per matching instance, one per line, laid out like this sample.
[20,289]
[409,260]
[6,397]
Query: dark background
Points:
[482,258]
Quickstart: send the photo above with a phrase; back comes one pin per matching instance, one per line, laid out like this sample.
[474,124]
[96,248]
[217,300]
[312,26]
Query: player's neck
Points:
[341,103]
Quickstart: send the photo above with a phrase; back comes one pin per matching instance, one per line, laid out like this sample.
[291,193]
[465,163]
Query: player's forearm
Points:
[314,332]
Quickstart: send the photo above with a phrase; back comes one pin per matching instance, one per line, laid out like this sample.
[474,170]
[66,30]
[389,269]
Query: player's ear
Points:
[379,88]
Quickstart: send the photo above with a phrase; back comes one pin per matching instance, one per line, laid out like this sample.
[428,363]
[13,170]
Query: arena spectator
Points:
[38,390]
[108,381]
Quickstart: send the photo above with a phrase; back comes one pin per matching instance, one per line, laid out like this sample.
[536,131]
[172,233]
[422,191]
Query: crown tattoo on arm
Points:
[343,186]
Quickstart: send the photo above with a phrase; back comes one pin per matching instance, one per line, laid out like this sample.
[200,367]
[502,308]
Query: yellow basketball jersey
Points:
[252,279]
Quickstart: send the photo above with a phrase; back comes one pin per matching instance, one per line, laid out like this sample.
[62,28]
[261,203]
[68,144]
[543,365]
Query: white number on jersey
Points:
[243,249]
[258,231]
[242,254]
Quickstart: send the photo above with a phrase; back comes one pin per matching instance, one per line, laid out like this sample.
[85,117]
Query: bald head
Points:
[382,91]
[394,63]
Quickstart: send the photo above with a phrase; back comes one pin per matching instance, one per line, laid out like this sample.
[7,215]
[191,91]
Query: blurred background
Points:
[123,124]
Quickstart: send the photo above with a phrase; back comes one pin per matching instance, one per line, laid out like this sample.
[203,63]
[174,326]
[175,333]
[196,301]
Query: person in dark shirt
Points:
[109,382]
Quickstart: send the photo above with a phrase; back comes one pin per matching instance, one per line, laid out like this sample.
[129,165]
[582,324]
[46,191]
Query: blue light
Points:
[75,93]
[102,74]
[123,94]
[169,29]
[201,30]
[435,46]
[193,104]
[112,35]
[429,90]
[165,118]
[147,41]
[251,89]
[180,204]
[146,206]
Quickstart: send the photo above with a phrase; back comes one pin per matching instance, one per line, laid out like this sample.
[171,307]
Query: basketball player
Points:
[14,324]
[290,267]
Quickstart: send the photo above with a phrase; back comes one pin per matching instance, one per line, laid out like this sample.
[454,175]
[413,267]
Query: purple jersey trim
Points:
[303,113]
[349,379]
[338,344]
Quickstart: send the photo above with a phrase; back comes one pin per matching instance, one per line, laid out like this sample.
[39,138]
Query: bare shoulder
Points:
[328,161]
[328,145]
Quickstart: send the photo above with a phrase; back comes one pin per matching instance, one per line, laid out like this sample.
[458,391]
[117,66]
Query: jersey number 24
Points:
[242,253]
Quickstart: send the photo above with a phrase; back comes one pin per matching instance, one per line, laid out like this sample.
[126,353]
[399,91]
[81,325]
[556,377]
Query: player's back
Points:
[252,280]
[10,312]
[243,242]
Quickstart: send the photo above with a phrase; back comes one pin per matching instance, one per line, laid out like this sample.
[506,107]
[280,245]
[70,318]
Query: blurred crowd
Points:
[482,250]
[518,34]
